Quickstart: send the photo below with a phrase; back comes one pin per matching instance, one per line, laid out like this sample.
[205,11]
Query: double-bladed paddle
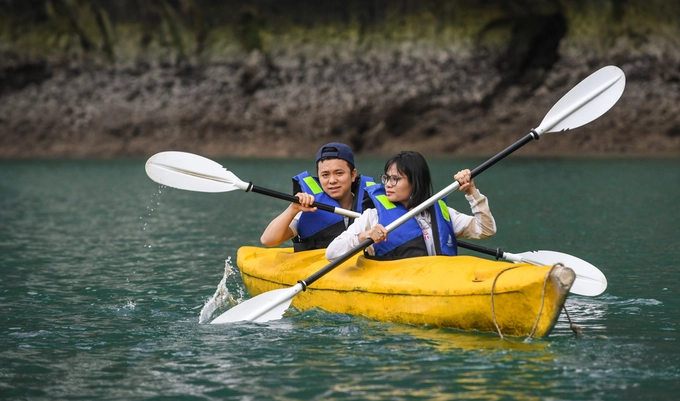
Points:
[587,101]
[191,172]
[196,173]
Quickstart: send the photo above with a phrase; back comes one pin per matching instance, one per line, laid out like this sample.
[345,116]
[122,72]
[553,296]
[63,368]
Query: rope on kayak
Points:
[493,307]
[576,329]
[540,310]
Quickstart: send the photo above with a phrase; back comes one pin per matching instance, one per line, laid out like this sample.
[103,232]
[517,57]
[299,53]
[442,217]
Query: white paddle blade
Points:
[589,279]
[265,307]
[587,101]
[191,172]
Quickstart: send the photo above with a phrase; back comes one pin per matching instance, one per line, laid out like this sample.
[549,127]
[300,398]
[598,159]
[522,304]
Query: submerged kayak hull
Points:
[462,292]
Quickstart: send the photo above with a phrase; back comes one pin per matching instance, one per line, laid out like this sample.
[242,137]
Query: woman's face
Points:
[336,178]
[399,192]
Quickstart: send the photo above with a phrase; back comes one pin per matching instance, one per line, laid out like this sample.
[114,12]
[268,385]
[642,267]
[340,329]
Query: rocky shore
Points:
[286,106]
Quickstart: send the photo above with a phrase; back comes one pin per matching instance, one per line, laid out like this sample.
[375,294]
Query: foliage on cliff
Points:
[210,30]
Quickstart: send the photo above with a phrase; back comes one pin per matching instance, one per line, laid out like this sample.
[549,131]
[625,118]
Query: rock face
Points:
[284,101]
[259,108]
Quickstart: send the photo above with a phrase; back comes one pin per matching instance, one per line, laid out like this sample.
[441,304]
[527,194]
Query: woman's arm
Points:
[353,236]
[481,225]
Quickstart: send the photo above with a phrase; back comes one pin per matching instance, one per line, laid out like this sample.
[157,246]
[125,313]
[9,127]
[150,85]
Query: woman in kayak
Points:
[407,184]
[337,184]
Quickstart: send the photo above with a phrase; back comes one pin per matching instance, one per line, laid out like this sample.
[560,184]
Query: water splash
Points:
[154,203]
[222,299]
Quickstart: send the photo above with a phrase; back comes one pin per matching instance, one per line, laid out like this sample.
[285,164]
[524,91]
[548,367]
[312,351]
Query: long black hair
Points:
[414,167]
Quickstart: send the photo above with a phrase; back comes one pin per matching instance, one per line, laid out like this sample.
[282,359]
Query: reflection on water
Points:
[451,339]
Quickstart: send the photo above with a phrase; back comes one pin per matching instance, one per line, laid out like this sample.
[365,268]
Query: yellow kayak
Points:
[462,292]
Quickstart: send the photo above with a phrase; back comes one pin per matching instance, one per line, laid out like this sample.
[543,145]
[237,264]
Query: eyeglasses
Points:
[392,179]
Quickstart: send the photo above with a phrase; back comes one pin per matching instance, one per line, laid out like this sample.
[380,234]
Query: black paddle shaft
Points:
[497,253]
[482,167]
[286,197]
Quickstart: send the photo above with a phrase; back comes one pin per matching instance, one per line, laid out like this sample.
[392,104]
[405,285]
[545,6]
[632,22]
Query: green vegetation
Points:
[180,30]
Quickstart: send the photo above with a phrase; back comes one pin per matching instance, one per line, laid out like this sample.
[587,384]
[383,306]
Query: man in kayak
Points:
[407,184]
[337,184]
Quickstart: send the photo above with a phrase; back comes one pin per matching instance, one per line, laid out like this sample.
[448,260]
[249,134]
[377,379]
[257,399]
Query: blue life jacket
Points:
[318,229]
[407,240]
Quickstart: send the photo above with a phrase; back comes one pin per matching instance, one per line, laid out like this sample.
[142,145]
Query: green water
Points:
[103,276]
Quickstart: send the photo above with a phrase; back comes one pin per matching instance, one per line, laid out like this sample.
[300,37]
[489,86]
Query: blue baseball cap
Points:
[336,150]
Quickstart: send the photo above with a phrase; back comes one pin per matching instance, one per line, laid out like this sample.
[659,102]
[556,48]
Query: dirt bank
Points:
[287,106]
